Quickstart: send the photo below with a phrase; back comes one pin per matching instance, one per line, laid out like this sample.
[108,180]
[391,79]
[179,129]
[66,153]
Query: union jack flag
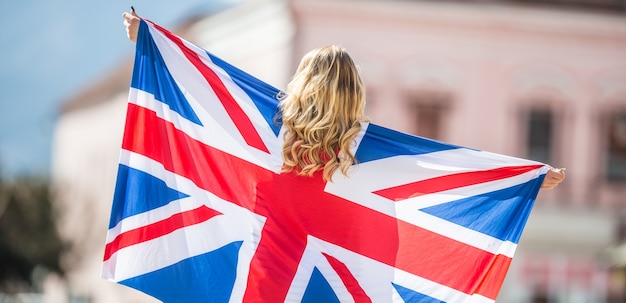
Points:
[202,213]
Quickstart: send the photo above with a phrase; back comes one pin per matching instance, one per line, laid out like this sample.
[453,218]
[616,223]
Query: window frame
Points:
[436,100]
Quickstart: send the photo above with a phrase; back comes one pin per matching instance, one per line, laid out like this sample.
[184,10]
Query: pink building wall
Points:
[494,61]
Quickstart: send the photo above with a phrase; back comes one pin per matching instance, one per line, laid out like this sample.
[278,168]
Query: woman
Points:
[322,112]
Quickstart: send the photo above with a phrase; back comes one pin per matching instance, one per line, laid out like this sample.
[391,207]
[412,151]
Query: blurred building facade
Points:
[535,79]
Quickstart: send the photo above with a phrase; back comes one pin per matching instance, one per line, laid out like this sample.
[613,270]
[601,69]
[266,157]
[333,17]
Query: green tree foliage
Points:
[29,238]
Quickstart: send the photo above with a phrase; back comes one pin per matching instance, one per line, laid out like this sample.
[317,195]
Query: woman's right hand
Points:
[553,177]
[131,22]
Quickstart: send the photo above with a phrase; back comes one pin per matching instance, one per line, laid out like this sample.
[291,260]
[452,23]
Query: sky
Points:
[49,51]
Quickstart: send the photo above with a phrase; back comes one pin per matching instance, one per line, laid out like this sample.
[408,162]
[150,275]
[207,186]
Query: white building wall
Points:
[256,36]
[85,153]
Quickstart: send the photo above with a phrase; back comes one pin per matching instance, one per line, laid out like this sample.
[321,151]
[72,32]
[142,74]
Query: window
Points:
[540,296]
[616,147]
[428,111]
[600,5]
[539,135]
[615,5]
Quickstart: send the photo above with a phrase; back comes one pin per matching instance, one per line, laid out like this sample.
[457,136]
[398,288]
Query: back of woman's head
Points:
[321,112]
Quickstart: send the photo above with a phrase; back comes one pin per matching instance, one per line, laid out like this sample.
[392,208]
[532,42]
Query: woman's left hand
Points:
[131,22]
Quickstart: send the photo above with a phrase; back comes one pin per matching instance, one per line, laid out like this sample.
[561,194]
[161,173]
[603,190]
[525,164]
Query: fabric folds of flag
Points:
[201,212]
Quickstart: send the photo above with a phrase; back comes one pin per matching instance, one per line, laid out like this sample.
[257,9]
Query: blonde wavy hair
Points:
[322,112]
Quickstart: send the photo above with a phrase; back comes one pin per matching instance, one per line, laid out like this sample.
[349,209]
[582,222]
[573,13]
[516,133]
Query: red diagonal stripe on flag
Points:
[351,283]
[235,112]
[352,226]
[158,229]
[491,277]
[439,184]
